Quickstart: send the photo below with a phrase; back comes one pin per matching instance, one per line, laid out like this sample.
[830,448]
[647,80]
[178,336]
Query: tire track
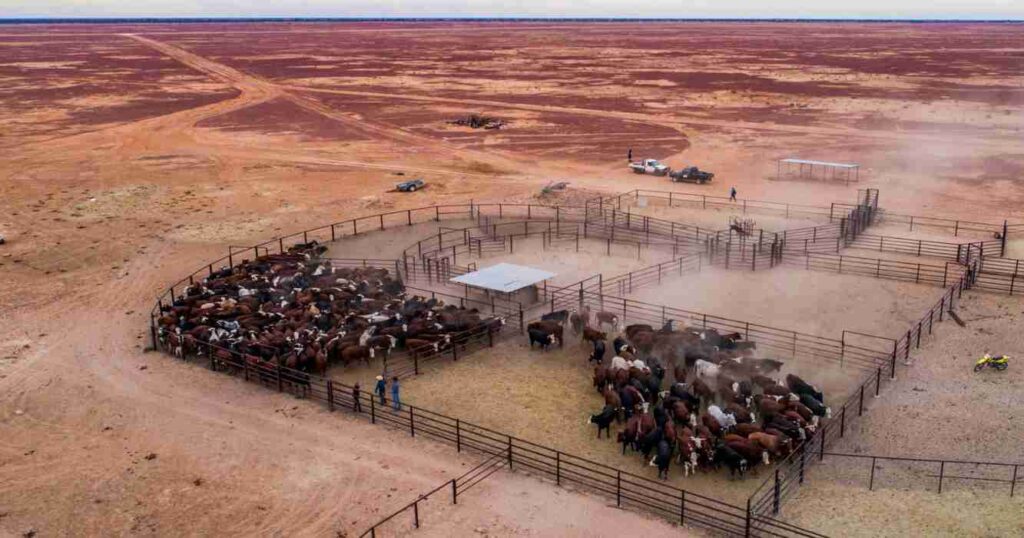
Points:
[266,90]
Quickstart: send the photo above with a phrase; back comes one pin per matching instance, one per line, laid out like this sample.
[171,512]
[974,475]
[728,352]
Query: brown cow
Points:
[593,335]
[747,429]
[551,327]
[351,354]
[750,451]
[600,376]
[710,423]
[607,318]
[701,390]
[687,450]
[743,416]
[774,444]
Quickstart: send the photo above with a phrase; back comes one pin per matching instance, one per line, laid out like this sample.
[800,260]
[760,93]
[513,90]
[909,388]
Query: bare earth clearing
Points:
[135,154]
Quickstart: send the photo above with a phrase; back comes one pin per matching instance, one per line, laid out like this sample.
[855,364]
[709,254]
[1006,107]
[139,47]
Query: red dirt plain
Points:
[130,161]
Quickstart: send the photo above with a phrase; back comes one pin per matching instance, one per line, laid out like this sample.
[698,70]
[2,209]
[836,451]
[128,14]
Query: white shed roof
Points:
[504,277]
[820,163]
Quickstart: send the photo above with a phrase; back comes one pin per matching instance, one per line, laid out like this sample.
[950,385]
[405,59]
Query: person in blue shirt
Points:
[395,400]
[379,388]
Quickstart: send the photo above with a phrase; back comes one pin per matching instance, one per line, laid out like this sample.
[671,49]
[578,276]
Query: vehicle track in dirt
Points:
[666,120]
[248,83]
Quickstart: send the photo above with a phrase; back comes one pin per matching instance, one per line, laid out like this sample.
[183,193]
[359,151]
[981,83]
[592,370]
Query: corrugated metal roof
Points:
[821,163]
[504,277]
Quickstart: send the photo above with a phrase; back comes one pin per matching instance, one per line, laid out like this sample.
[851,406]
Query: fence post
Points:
[373,409]
[746,526]
[412,422]
[416,513]
[860,408]
[892,366]
[1013,481]
[778,492]
[842,424]
[510,453]
[280,384]
[871,481]
[330,395]
[803,463]
[682,509]
[618,488]
[558,468]
[455,492]
[942,468]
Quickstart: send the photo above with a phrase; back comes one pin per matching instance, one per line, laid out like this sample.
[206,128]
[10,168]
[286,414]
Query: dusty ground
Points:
[132,160]
[809,302]
[940,409]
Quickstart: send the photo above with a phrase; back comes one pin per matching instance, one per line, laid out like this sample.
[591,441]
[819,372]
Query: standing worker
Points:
[379,389]
[629,155]
[732,194]
[357,406]
[395,400]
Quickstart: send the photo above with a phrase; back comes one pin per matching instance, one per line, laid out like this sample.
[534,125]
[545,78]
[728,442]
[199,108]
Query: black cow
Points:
[682,391]
[814,405]
[604,420]
[731,459]
[662,458]
[618,344]
[650,441]
[799,386]
[542,338]
[559,315]
[599,352]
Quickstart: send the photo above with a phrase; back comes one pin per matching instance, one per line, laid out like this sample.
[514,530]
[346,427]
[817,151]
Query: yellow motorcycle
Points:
[999,362]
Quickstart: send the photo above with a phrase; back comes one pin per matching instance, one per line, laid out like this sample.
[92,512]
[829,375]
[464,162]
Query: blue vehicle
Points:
[410,186]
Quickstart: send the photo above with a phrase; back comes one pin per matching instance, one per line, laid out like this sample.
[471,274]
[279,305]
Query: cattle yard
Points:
[642,263]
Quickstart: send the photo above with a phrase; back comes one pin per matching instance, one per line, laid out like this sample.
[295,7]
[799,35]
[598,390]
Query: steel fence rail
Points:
[628,489]
[791,472]
[942,468]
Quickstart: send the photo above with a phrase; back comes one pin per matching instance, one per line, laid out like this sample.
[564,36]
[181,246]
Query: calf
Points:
[598,354]
[542,338]
[725,455]
[603,420]
[629,435]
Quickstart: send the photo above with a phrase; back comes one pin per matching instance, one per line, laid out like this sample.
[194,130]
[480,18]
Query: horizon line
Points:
[214,19]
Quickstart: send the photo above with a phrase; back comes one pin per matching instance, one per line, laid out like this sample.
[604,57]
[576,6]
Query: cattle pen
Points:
[688,245]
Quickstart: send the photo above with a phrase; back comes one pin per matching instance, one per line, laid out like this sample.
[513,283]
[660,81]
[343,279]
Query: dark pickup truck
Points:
[410,186]
[691,174]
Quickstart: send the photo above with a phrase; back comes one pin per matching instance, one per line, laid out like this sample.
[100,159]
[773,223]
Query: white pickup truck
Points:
[649,166]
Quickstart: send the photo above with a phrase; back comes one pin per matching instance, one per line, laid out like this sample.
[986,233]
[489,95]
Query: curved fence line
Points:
[628,489]
[791,472]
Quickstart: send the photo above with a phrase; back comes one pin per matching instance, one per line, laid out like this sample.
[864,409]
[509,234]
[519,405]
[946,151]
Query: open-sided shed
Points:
[804,168]
[508,279]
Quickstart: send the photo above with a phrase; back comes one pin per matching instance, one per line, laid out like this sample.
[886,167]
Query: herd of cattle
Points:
[297,310]
[722,408]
